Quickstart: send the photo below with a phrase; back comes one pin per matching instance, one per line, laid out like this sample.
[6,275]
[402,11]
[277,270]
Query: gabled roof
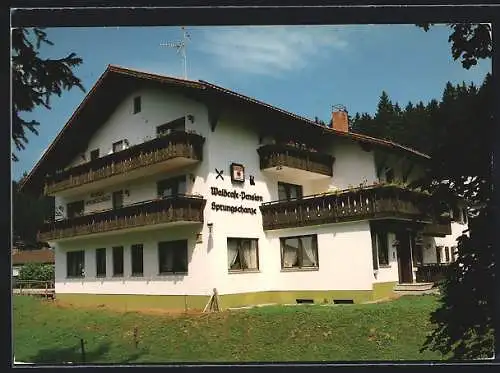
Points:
[116,82]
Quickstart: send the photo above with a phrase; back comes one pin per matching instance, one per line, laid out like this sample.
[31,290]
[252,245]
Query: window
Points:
[380,248]
[416,250]
[172,257]
[453,253]
[75,209]
[137,260]
[175,125]
[242,254]
[118,261]
[137,104]
[447,254]
[374,251]
[75,263]
[117,199]
[94,154]
[438,254]
[289,191]
[100,262]
[171,187]
[299,252]
[118,146]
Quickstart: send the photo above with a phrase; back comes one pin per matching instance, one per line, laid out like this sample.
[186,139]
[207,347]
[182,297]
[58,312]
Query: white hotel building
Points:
[166,188]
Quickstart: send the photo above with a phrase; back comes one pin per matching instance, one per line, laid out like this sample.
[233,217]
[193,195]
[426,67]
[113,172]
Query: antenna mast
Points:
[181,48]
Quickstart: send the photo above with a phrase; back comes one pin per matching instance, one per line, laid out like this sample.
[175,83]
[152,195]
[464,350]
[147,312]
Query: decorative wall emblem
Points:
[237,173]
[219,174]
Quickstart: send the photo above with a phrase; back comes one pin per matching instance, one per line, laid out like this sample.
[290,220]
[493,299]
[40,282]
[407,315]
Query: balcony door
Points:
[289,192]
[75,209]
[117,199]
[171,187]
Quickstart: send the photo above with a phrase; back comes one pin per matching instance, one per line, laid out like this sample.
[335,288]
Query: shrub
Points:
[36,272]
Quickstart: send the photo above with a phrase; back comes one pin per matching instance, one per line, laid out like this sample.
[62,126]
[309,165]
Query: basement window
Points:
[343,301]
[304,301]
[137,104]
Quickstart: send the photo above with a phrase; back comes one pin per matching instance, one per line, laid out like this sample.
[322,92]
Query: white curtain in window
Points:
[249,249]
[310,258]
[290,251]
[232,253]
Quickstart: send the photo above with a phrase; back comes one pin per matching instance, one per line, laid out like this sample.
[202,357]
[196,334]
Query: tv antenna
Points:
[181,47]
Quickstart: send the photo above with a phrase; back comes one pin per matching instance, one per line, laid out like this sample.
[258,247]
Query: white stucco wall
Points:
[352,166]
[196,282]
[448,241]
[157,107]
[345,254]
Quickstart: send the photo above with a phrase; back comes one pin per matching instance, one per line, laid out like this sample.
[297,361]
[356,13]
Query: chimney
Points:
[340,121]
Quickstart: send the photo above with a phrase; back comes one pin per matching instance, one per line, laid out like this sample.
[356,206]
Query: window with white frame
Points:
[173,257]
[447,254]
[242,254]
[100,262]
[380,248]
[137,259]
[299,252]
[75,263]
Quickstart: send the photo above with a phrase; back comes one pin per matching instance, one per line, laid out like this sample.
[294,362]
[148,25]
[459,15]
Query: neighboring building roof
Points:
[44,256]
[116,82]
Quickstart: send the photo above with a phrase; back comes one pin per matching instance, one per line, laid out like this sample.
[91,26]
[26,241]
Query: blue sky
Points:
[302,69]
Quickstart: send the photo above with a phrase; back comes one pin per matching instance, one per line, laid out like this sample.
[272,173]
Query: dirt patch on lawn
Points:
[386,299]
[124,309]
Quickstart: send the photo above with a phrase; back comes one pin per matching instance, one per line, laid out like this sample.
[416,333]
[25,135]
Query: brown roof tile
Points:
[44,256]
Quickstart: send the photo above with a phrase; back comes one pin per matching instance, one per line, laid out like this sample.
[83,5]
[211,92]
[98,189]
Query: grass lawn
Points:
[47,332]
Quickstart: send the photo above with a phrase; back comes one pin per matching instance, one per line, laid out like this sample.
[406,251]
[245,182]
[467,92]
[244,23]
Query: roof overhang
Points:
[118,82]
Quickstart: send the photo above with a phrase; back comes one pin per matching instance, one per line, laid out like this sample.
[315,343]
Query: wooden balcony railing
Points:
[431,272]
[170,209]
[174,145]
[439,228]
[275,155]
[375,202]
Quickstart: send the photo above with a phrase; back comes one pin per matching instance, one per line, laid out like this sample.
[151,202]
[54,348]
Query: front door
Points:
[404,258]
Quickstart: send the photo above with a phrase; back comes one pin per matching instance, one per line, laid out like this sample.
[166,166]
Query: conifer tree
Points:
[35,80]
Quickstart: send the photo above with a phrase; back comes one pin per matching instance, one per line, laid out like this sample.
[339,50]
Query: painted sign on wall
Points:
[234,194]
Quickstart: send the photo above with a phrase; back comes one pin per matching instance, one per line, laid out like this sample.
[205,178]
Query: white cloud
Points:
[269,49]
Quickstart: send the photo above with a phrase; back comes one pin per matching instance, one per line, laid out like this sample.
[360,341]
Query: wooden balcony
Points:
[276,157]
[172,150]
[433,272]
[375,202]
[440,228]
[178,209]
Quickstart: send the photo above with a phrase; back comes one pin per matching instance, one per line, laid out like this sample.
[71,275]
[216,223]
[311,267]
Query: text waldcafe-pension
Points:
[236,195]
